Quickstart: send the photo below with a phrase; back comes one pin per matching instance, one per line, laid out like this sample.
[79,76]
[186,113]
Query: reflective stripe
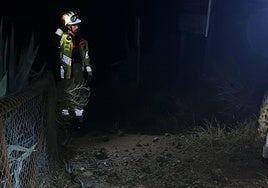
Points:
[86,56]
[65,112]
[62,72]
[89,69]
[66,60]
[78,112]
[59,32]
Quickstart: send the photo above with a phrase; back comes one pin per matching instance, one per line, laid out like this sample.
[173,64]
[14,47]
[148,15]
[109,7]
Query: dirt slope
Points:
[100,159]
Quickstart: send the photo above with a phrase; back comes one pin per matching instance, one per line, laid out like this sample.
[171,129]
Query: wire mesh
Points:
[25,124]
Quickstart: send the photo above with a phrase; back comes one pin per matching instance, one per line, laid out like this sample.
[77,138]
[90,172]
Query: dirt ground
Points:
[203,159]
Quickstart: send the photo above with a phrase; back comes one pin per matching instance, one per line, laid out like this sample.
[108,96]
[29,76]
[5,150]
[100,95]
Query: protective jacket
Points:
[74,51]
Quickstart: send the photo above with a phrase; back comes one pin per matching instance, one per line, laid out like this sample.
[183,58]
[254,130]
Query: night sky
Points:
[172,59]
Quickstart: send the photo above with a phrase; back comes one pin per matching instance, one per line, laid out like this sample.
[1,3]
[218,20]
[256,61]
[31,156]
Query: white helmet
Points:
[70,18]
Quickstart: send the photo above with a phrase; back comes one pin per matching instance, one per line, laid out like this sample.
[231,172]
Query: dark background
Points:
[180,72]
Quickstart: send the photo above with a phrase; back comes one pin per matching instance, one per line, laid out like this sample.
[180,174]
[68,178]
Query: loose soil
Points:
[119,159]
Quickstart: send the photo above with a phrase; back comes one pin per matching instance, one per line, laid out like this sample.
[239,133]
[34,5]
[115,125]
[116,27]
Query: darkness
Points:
[180,70]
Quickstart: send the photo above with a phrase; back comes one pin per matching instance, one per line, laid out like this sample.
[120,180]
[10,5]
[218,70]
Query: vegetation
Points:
[15,65]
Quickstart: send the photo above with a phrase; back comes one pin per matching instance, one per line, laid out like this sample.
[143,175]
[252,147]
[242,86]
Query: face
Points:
[73,29]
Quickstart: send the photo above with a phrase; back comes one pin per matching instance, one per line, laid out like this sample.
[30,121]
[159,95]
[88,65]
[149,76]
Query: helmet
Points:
[70,18]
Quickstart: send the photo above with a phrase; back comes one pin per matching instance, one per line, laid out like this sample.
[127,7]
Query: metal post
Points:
[208,17]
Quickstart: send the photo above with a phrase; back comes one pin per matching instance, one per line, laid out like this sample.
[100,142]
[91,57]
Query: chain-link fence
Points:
[28,141]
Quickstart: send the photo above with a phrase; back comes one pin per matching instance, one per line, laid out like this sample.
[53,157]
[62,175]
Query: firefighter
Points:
[74,58]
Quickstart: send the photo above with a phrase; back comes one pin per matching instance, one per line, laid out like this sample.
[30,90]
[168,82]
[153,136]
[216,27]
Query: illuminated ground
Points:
[206,159]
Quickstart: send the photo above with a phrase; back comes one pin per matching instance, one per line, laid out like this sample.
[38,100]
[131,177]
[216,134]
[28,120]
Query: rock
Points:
[105,138]
[156,139]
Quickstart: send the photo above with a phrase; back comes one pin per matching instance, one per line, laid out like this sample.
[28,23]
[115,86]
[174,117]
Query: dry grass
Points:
[216,138]
[223,153]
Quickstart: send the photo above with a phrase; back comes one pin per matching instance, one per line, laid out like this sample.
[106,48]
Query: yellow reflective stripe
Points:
[66,45]
[66,55]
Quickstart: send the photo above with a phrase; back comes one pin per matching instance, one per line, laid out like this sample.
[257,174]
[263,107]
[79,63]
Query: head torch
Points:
[74,17]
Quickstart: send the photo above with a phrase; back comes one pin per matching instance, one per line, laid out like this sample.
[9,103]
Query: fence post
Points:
[4,166]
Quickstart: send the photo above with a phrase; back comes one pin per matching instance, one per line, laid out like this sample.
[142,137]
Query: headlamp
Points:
[74,17]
